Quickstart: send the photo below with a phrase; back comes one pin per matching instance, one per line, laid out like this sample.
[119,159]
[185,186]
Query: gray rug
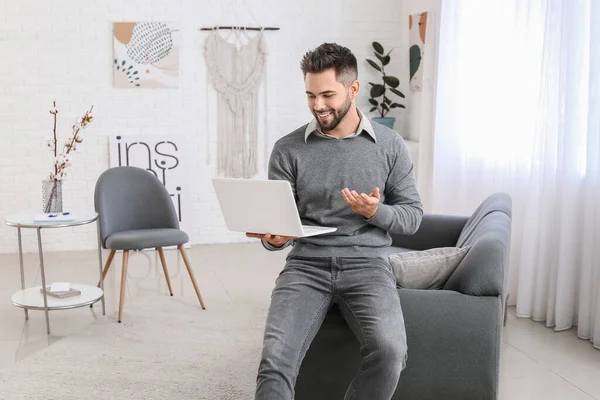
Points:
[164,349]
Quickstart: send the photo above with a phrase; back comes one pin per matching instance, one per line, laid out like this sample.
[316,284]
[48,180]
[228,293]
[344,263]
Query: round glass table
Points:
[35,298]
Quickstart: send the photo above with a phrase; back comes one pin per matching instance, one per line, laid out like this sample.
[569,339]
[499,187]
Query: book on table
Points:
[61,290]
[54,217]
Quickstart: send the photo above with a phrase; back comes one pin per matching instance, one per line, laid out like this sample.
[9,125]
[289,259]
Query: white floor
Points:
[537,363]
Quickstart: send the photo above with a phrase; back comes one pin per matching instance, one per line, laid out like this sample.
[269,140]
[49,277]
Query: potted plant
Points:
[380,91]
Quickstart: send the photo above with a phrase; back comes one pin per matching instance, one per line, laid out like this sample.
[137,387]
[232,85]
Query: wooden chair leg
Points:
[107,265]
[189,269]
[164,265]
[123,278]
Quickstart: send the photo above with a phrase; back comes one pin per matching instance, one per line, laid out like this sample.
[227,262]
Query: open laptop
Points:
[262,206]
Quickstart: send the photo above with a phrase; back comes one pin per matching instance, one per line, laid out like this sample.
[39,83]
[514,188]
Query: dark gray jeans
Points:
[365,291]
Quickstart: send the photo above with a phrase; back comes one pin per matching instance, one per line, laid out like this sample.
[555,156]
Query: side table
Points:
[35,299]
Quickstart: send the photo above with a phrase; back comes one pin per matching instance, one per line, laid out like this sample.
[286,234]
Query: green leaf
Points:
[117,67]
[386,100]
[385,60]
[396,105]
[397,92]
[392,81]
[378,47]
[374,65]
[374,102]
[134,73]
[373,109]
[377,90]
[123,63]
[385,107]
[115,60]
[131,66]
[371,83]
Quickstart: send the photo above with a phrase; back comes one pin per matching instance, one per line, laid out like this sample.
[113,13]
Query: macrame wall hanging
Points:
[236,69]
[236,72]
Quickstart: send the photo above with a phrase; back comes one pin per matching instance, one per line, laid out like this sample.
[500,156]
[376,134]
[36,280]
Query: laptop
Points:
[262,206]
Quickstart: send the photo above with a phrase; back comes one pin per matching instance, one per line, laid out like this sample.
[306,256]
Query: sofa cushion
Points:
[427,269]
[388,251]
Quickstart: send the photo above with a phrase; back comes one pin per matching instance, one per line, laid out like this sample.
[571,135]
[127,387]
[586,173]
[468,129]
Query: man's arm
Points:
[402,211]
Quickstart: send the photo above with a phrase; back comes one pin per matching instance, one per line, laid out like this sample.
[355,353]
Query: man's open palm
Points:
[363,204]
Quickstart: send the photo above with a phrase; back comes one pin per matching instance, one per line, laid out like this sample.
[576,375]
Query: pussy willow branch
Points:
[55,139]
[85,120]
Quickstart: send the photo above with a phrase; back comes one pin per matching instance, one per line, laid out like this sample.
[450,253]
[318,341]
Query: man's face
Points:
[328,99]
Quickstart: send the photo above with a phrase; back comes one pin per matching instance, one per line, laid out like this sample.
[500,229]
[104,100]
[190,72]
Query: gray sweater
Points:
[318,168]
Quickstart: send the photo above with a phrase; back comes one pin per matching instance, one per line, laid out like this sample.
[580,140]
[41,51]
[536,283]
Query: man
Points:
[358,177]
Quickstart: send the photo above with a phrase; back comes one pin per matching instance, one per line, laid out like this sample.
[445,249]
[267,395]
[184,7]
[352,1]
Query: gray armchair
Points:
[135,212]
[453,334]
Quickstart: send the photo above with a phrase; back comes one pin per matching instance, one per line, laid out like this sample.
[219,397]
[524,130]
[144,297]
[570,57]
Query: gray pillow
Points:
[427,269]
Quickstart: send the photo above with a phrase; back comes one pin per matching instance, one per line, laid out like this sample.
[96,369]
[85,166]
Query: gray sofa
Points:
[453,334]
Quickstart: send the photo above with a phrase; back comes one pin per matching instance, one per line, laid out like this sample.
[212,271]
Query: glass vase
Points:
[52,196]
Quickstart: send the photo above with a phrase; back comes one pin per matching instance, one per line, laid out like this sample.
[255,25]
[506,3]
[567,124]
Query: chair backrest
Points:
[131,198]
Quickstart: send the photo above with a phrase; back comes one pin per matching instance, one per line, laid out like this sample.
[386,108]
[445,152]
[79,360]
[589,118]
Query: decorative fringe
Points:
[236,75]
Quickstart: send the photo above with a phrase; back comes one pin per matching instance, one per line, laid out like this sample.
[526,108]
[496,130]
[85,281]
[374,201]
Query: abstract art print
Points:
[417,26]
[145,55]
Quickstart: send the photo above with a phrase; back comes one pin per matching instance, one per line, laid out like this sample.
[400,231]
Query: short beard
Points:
[338,115]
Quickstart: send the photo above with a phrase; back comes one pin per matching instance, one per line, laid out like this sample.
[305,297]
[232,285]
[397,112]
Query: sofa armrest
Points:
[436,230]
[483,271]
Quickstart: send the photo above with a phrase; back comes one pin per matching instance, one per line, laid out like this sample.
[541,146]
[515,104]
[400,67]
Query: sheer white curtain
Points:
[518,110]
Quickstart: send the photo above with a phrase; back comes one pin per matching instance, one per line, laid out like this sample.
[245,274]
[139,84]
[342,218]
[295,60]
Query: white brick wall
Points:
[62,50]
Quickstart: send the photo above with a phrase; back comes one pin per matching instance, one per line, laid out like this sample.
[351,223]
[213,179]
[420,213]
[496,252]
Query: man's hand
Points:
[274,240]
[363,204]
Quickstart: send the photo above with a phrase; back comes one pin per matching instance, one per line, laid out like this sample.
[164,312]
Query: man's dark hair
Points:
[331,55]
